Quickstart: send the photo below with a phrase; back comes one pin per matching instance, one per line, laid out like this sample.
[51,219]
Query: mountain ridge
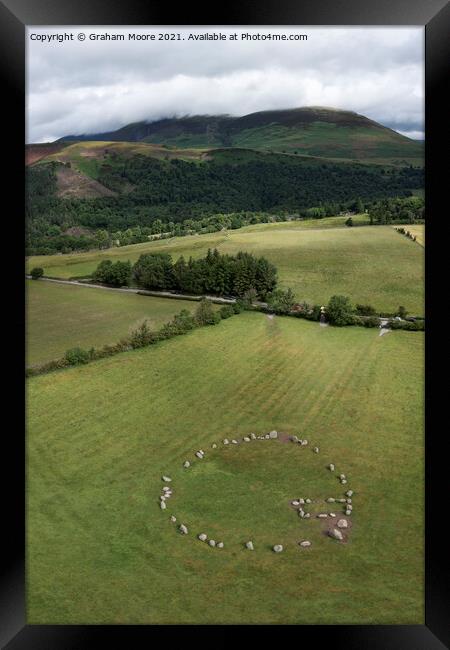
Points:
[314,130]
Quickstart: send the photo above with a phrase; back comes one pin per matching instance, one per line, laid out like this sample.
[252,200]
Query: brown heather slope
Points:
[35,152]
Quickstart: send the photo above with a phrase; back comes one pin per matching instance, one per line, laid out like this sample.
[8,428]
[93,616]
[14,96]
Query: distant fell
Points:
[313,131]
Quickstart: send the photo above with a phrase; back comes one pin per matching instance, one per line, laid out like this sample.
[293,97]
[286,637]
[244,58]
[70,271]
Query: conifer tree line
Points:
[217,274]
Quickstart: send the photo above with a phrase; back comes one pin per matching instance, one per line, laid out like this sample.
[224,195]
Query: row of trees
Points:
[214,274]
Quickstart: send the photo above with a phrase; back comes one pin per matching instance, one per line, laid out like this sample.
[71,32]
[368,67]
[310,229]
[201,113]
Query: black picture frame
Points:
[434,15]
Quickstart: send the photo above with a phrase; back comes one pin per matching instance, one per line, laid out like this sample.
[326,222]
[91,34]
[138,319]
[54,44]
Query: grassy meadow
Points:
[61,316]
[370,264]
[99,438]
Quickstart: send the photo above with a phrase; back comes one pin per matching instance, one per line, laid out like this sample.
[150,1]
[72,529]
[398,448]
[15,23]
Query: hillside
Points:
[114,187]
[312,131]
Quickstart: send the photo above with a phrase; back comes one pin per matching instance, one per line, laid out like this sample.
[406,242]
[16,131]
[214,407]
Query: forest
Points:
[173,192]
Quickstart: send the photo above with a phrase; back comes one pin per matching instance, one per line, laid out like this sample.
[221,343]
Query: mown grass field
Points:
[61,316]
[99,437]
[371,264]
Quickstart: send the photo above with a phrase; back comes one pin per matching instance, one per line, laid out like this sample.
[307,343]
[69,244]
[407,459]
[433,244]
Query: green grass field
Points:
[99,437]
[371,264]
[61,316]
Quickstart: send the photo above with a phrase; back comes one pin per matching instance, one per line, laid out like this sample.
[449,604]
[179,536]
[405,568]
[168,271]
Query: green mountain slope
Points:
[312,131]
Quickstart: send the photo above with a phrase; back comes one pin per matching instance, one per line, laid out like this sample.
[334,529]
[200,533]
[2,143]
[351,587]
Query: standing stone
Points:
[249,545]
[330,500]
[294,439]
[162,498]
[322,515]
[341,476]
[202,537]
[341,500]
[219,544]
[349,493]
[234,441]
[183,529]
[253,436]
[273,434]
[295,503]
[301,513]
[348,513]
[307,500]
[167,479]
[186,464]
[348,500]
[343,481]
[332,514]
[162,505]
[278,548]
[342,523]
[336,534]
[331,467]
[301,501]
[305,543]
[166,488]
[173,519]
[214,446]
[212,542]
[349,507]
[199,455]
[304,442]
[316,450]
[307,515]
[226,441]
[267,436]
[246,439]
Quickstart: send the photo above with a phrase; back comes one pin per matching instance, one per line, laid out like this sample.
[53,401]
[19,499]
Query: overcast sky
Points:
[79,87]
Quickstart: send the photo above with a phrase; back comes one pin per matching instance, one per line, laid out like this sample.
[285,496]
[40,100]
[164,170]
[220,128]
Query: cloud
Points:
[78,87]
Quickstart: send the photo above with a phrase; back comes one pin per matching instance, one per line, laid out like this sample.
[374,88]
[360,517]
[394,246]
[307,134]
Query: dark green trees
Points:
[37,273]
[214,274]
[281,302]
[154,271]
[116,275]
[339,311]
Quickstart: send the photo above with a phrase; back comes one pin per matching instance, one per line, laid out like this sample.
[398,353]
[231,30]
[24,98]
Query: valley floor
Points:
[372,264]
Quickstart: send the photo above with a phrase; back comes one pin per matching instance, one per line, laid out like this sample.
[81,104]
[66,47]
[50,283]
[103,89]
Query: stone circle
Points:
[333,532]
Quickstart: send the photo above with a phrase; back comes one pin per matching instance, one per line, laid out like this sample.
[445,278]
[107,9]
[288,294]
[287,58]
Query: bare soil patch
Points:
[73,184]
